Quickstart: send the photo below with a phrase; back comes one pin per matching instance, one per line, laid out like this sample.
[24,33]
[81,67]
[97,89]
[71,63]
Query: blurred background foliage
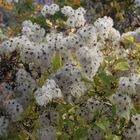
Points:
[126,14]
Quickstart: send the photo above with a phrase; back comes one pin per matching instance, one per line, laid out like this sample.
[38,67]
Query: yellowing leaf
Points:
[7,5]
[129,38]
[137,44]
[76,2]
[138,70]
[122,66]
[64,136]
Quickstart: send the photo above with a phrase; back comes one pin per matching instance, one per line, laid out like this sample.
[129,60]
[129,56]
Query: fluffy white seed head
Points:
[13,109]
[68,11]
[47,93]
[50,9]
[4,122]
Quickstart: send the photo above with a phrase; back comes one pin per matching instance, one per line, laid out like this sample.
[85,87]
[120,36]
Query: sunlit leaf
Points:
[114,137]
[122,66]
[137,45]
[56,61]
[138,70]
[129,38]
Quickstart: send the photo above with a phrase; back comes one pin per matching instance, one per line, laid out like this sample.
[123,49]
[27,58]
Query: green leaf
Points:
[115,137]
[85,79]
[69,123]
[39,20]
[122,123]
[97,115]
[103,124]
[113,110]
[10,137]
[64,136]
[41,81]
[119,60]
[80,134]
[122,66]
[106,79]
[56,61]
[108,59]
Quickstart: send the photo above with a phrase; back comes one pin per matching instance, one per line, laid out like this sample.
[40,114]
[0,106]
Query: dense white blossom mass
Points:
[82,52]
